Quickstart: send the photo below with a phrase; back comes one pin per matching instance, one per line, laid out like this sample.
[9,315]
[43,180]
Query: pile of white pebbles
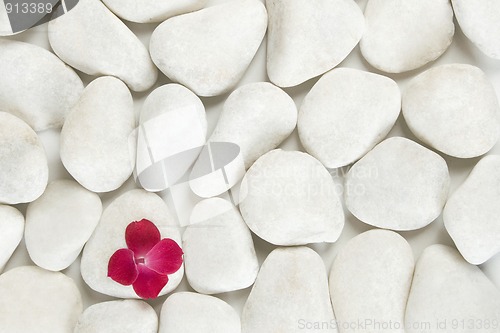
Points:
[325,165]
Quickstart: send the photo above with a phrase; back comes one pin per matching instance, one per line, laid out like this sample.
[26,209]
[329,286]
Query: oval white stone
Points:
[447,289]
[370,280]
[96,136]
[38,301]
[307,38]
[35,85]
[109,236]
[405,35]
[125,316]
[346,114]
[257,117]
[209,51]
[149,11]
[454,109]
[24,171]
[289,198]
[398,185]
[59,223]
[11,232]
[291,289]
[93,40]
[480,22]
[218,249]
[471,214]
[186,312]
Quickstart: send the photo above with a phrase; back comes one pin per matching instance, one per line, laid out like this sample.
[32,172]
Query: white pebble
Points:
[471,214]
[96,144]
[346,114]
[209,51]
[38,301]
[289,198]
[308,38]
[186,312]
[35,85]
[24,170]
[93,40]
[404,35]
[59,223]
[454,109]
[11,232]
[218,249]
[398,185]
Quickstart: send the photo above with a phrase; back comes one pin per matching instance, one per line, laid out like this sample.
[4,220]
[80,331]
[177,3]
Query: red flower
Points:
[147,261]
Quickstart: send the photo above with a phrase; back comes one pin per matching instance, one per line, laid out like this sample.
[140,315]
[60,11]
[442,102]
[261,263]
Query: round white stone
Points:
[11,232]
[405,35]
[446,289]
[24,170]
[59,223]
[93,40]
[291,290]
[125,316]
[150,11]
[454,109]
[346,114]
[480,22]
[218,249]
[35,85]
[38,301]
[96,144]
[307,38]
[398,185]
[186,312]
[109,236]
[289,198]
[371,278]
[257,117]
[471,214]
[209,51]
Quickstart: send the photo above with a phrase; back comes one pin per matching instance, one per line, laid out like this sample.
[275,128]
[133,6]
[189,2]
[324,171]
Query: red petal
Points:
[149,283]
[165,257]
[122,267]
[141,237]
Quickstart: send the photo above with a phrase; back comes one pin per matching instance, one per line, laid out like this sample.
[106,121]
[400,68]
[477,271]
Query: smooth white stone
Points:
[172,131]
[96,137]
[257,117]
[307,38]
[480,22]
[398,185]
[370,281]
[11,232]
[454,109]
[59,223]
[404,35]
[38,301]
[109,236]
[447,289]
[291,290]
[35,85]
[346,114]
[126,316]
[93,40]
[209,51]
[218,249]
[150,11]
[289,198]
[24,171]
[186,312]
[471,214]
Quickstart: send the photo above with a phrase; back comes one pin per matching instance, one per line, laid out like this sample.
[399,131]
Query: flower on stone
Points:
[147,261]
